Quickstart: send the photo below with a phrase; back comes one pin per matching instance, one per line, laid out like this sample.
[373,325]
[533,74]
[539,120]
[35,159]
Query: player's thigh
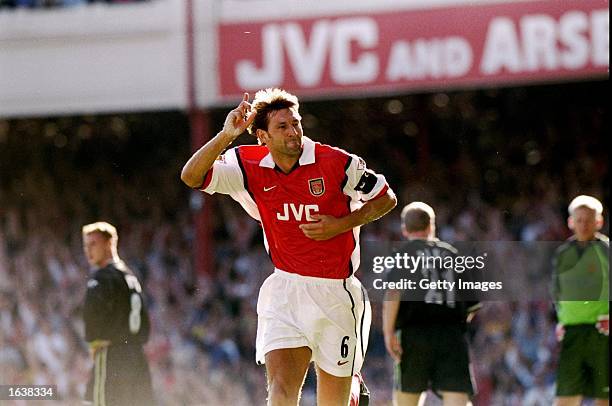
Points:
[277,324]
[332,390]
[128,379]
[335,351]
[407,399]
[415,370]
[452,366]
[340,331]
[599,364]
[287,367]
[454,398]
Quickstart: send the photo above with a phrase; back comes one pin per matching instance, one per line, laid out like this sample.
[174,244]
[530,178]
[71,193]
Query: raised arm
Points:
[236,122]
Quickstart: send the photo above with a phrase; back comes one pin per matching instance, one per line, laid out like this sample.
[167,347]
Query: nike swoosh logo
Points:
[340,363]
[267,189]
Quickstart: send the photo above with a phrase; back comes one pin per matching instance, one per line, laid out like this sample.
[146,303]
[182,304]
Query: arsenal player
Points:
[311,200]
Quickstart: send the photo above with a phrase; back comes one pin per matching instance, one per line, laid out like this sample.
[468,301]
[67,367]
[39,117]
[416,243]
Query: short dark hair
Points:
[267,101]
[417,216]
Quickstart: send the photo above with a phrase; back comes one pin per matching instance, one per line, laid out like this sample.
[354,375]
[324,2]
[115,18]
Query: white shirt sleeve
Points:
[226,175]
[227,178]
[362,183]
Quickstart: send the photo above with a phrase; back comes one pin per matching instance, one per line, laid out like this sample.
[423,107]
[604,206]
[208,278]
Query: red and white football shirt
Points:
[326,180]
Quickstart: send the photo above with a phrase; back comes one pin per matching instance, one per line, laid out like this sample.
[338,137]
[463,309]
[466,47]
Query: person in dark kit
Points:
[425,336]
[116,324]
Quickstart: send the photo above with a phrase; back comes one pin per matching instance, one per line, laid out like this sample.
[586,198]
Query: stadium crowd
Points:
[496,164]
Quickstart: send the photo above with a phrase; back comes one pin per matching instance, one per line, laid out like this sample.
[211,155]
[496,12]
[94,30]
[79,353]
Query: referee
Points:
[427,338]
[116,324]
[582,282]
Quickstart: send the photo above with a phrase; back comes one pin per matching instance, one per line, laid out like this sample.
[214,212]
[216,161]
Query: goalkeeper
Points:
[581,277]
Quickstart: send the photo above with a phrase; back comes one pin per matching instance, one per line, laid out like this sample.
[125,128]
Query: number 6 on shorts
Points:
[344,348]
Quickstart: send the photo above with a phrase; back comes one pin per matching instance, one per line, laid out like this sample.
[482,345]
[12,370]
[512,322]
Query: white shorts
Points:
[330,316]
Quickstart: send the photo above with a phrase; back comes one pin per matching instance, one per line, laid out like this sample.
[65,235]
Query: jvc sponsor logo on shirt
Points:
[292,211]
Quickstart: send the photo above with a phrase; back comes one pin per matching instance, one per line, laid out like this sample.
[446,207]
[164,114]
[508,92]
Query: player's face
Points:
[284,135]
[97,249]
[584,222]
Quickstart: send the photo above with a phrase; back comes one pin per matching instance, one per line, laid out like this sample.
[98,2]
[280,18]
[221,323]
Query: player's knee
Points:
[283,389]
[455,399]
[406,398]
[568,400]
[332,390]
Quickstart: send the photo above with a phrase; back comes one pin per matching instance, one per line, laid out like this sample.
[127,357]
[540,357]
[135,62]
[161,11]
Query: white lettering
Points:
[310,210]
[457,56]
[501,49]
[427,58]
[285,215]
[307,62]
[572,30]
[271,72]
[364,32]
[377,264]
[600,37]
[446,57]
[399,61]
[424,284]
[416,263]
[536,42]
[436,285]
[547,43]
[389,262]
[539,42]
[298,212]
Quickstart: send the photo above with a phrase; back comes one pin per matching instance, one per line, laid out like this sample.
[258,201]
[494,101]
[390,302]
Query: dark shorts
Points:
[436,358]
[120,376]
[583,363]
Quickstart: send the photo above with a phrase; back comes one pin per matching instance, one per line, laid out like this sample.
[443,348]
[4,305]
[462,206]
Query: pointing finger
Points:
[251,118]
[244,108]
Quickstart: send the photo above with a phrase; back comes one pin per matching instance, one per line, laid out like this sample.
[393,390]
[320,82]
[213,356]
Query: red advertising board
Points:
[475,45]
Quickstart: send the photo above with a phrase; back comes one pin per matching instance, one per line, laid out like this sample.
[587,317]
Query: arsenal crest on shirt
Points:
[317,186]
